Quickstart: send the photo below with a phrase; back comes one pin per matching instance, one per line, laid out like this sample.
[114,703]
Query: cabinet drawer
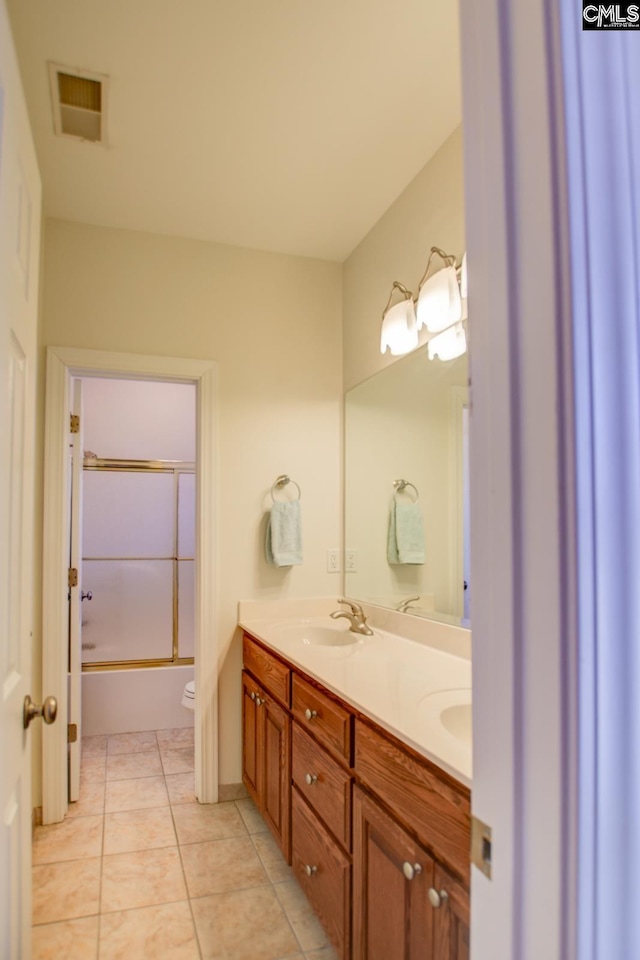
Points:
[329,792]
[324,873]
[272,674]
[324,718]
[438,813]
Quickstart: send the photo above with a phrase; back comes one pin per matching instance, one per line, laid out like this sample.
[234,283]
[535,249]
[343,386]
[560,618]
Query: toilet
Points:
[189,695]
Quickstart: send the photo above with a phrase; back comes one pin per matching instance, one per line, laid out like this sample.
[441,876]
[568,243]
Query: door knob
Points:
[48,710]
[87,596]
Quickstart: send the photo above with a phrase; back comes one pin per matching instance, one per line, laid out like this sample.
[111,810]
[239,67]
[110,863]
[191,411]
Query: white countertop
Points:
[401,684]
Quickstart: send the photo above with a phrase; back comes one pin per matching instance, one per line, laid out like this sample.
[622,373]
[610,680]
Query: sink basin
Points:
[457,720]
[449,709]
[318,636]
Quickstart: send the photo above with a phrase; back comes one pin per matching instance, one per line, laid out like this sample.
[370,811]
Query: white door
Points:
[75,593]
[19,246]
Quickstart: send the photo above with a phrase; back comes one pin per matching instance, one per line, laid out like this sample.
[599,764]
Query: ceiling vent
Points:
[79,101]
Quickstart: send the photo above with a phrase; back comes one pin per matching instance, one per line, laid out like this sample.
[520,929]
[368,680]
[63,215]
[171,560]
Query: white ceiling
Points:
[285,125]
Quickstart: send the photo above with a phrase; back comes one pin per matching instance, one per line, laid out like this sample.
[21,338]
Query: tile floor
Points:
[140,869]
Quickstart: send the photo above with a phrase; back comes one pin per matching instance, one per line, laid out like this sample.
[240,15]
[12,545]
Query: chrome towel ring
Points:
[281,482]
[401,485]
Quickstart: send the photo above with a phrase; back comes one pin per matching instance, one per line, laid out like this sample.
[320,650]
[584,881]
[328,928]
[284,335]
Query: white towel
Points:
[405,540]
[283,545]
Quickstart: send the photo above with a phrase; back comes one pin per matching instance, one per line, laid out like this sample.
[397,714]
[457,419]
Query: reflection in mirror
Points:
[409,422]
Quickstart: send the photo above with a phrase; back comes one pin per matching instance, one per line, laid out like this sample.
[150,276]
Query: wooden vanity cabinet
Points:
[378,837]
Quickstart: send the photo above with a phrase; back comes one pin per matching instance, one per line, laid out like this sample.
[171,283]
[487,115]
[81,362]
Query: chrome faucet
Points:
[403,607]
[356,618]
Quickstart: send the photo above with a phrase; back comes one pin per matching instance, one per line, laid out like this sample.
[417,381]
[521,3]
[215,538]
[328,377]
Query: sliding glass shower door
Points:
[138,563]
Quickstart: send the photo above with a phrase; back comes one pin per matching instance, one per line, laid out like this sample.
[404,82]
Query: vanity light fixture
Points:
[449,344]
[441,308]
[399,330]
[439,301]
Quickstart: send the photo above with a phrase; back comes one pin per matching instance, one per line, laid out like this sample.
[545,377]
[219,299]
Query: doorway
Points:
[63,365]
[133,498]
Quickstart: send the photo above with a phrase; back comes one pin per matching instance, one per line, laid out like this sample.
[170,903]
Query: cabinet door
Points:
[392,875]
[275,734]
[251,747]
[450,919]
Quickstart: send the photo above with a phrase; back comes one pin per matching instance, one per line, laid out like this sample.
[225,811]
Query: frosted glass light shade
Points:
[448,345]
[399,331]
[439,303]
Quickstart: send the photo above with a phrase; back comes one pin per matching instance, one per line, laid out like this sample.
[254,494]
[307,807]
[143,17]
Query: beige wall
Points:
[429,212]
[273,324]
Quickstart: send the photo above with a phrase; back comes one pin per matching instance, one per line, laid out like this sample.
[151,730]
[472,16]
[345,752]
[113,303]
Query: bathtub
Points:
[127,701]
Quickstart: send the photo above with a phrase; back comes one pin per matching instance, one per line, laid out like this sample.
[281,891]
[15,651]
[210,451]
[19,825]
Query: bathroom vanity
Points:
[375,823]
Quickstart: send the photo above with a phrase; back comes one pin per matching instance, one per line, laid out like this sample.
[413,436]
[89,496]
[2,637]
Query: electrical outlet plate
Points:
[333,560]
[350,561]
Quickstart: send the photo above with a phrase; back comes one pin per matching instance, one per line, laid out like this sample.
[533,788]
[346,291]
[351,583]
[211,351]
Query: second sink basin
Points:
[451,710]
[457,720]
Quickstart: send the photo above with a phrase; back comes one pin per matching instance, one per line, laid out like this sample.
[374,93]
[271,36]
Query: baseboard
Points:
[231,791]
[36,819]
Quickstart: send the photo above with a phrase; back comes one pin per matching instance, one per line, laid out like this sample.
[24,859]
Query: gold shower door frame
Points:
[175,467]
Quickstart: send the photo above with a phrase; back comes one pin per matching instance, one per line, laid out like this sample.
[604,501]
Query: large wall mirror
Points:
[409,422]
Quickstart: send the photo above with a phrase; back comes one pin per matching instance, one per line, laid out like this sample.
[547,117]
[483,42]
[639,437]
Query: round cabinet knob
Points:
[437,899]
[411,870]
[48,711]
[309,870]
[310,778]
[259,701]
[253,694]
[310,714]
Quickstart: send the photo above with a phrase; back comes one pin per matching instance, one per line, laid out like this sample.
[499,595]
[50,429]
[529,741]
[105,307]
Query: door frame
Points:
[63,363]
